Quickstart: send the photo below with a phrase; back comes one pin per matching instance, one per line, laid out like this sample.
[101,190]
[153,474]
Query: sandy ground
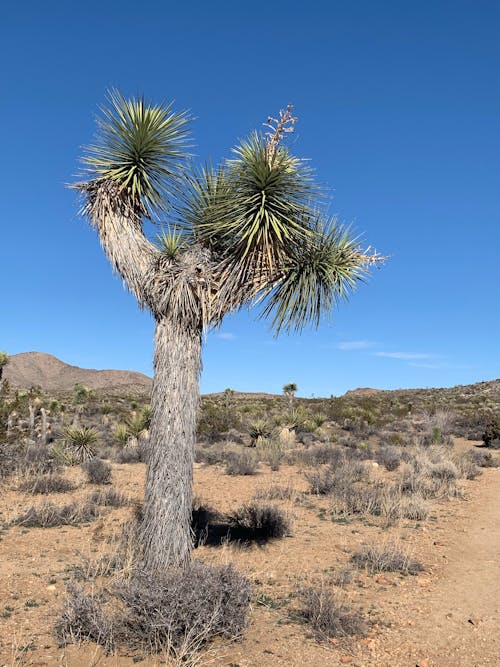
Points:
[448,616]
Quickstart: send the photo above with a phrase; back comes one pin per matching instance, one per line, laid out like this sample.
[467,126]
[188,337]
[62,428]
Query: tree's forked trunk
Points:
[166,527]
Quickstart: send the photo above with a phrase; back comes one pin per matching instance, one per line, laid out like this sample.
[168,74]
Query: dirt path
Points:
[456,620]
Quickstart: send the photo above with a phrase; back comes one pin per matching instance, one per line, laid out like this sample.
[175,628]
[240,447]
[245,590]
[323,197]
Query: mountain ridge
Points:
[28,369]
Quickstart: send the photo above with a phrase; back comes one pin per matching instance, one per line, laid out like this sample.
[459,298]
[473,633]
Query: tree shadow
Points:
[219,533]
[213,529]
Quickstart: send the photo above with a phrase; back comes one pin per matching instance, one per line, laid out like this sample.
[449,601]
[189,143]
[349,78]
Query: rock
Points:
[345,659]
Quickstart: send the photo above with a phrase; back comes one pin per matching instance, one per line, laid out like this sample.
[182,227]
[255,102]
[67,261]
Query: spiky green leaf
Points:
[141,147]
[318,274]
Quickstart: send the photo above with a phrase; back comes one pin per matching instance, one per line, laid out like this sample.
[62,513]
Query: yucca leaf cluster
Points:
[256,214]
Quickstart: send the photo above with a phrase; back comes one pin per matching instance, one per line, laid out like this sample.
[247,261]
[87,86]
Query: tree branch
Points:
[119,227]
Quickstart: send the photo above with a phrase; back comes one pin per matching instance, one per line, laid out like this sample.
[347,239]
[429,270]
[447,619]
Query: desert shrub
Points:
[491,435]
[380,499]
[260,522]
[389,456]
[321,482]
[211,455]
[328,615]
[321,454]
[376,500]
[132,453]
[483,459]
[47,484]
[49,515]
[243,462]
[276,492]
[37,459]
[108,498]
[417,482]
[338,480]
[444,470]
[413,507]
[271,452]
[355,449]
[467,468]
[306,438]
[342,577]
[435,438]
[432,473]
[386,558]
[182,608]
[83,618]
[98,471]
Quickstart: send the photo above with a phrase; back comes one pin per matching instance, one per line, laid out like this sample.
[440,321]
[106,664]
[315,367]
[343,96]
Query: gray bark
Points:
[43,432]
[166,538]
[31,410]
[166,528]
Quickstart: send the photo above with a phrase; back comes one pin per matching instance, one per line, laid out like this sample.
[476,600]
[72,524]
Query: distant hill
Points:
[40,369]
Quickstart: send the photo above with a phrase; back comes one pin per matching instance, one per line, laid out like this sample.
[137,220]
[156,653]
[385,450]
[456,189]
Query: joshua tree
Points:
[240,234]
[4,360]
[289,391]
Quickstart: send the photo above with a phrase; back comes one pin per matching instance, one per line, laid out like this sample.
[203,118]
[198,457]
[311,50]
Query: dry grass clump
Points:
[259,522]
[483,459]
[381,499]
[83,617]
[413,507]
[108,498]
[321,482]
[432,473]
[243,462]
[98,471]
[341,577]
[337,480]
[386,558]
[276,492]
[132,453]
[328,615]
[47,484]
[467,467]
[273,453]
[49,515]
[321,454]
[210,454]
[389,456]
[36,460]
[176,613]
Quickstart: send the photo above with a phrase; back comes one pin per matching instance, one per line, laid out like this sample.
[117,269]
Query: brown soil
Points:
[447,616]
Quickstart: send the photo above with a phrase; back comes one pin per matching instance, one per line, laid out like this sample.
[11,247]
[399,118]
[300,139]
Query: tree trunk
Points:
[166,527]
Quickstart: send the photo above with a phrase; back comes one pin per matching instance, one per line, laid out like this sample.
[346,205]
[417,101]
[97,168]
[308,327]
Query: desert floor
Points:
[447,616]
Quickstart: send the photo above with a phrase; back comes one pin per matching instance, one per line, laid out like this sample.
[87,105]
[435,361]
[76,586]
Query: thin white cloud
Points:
[226,336]
[443,367]
[405,356]
[354,345]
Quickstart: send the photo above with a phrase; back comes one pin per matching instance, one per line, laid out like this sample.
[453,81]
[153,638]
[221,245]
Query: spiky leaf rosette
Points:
[316,275]
[203,200]
[140,147]
[258,215]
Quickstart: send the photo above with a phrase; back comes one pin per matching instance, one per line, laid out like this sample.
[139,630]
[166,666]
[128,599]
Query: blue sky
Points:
[398,106]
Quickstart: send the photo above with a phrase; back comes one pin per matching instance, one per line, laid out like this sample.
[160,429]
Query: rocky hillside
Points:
[44,370]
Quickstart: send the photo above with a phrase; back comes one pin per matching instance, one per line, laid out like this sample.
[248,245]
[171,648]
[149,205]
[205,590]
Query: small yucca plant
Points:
[82,440]
[259,430]
[297,418]
[121,435]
